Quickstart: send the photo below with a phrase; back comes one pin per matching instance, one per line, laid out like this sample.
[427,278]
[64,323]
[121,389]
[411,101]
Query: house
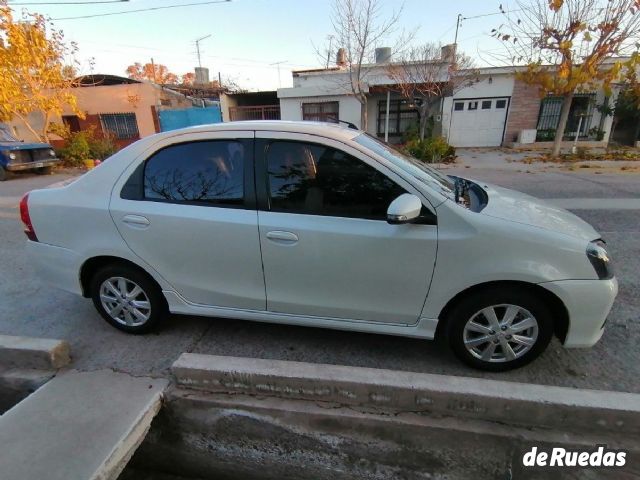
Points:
[497,110]
[250,106]
[125,108]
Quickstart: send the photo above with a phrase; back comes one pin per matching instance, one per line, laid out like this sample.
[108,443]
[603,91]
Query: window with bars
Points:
[321,112]
[582,107]
[121,125]
[402,116]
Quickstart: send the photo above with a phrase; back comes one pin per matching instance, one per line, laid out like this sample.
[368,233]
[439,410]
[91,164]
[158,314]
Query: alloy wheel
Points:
[500,333]
[125,301]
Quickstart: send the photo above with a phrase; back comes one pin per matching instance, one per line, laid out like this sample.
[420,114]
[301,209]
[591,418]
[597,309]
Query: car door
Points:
[327,249]
[188,210]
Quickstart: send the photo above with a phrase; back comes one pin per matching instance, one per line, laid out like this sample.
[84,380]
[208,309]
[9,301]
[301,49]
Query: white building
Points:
[497,110]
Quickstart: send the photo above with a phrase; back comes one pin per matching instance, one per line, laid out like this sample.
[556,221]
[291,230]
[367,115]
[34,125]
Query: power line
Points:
[67,3]
[490,14]
[123,12]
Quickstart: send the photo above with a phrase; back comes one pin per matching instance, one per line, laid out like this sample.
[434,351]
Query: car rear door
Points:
[327,248]
[188,210]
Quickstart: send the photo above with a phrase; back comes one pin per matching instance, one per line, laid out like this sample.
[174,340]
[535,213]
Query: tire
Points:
[3,174]
[139,314]
[481,343]
[44,170]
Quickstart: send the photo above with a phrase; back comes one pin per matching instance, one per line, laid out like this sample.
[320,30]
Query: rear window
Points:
[204,172]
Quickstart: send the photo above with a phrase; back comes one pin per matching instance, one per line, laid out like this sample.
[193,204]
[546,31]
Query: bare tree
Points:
[428,72]
[359,28]
[567,46]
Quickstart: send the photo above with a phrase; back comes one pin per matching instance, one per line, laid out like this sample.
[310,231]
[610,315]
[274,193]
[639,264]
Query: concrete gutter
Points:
[80,425]
[33,353]
[509,403]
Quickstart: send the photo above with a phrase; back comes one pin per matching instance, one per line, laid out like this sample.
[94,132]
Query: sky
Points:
[256,43]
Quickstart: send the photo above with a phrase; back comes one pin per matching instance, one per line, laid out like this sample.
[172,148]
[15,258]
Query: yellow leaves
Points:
[555,5]
[32,70]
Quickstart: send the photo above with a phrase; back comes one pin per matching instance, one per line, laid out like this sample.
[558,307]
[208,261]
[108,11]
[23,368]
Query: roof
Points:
[333,130]
[101,80]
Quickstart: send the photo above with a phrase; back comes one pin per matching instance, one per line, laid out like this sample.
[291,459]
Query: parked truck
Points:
[18,155]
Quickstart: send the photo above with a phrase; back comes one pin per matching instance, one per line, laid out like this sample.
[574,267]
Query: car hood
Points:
[22,146]
[522,208]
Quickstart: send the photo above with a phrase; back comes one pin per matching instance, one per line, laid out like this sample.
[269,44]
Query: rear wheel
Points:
[499,329]
[127,298]
[44,170]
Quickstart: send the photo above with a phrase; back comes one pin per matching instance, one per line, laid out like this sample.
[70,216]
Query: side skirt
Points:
[424,328]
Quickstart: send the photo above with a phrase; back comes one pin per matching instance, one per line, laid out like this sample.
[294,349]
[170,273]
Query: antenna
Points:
[278,64]
[198,48]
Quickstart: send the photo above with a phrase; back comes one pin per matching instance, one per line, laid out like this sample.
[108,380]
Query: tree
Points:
[156,73]
[188,79]
[33,76]
[359,29]
[428,72]
[569,45]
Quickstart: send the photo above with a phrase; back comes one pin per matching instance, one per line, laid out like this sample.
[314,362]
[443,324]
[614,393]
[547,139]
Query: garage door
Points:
[478,122]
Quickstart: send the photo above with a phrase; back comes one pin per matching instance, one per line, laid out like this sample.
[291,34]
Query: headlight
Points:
[599,258]
[52,153]
[12,156]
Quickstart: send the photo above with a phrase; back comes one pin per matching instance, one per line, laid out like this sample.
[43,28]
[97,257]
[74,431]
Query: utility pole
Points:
[153,67]
[331,37]
[278,64]
[198,48]
[458,22]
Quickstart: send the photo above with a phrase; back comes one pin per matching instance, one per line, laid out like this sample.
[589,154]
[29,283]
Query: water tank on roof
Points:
[383,55]
[341,57]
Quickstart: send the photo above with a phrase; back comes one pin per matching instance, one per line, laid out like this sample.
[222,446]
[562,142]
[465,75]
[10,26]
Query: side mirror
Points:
[404,209]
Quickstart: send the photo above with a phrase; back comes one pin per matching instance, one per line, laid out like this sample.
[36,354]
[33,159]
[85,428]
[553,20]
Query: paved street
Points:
[31,308]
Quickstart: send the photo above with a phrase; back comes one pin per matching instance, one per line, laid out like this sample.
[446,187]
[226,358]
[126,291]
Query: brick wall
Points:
[523,111]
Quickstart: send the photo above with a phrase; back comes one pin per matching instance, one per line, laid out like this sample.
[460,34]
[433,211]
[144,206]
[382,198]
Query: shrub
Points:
[102,147]
[597,133]
[431,150]
[76,150]
[83,145]
[546,135]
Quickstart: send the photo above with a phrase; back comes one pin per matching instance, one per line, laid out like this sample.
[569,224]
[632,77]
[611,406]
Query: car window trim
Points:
[427,216]
[133,188]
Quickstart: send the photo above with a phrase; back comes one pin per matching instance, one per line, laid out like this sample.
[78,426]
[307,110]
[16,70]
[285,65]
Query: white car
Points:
[320,225]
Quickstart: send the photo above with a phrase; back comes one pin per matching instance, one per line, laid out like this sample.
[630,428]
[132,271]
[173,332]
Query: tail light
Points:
[26,219]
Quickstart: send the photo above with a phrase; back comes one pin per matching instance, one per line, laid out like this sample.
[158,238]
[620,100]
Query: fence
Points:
[255,112]
[174,119]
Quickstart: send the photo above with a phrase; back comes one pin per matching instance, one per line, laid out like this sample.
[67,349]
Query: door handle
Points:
[136,221]
[278,236]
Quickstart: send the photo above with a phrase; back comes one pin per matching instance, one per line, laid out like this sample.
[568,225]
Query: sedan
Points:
[320,225]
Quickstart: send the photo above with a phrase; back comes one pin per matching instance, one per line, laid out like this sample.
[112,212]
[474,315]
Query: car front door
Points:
[188,210]
[327,248]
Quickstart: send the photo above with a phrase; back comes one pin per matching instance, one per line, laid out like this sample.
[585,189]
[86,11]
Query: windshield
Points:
[421,171]
[5,136]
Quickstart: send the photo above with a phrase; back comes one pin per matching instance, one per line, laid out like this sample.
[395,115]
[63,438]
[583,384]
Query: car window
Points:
[318,180]
[208,172]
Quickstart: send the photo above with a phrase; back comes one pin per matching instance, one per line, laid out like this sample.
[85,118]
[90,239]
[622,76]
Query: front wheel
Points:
[44,170]
[3,174]
[127,298]
[499,329]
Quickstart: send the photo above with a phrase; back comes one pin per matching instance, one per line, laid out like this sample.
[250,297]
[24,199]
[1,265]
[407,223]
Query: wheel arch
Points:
[93,264]
[559,311]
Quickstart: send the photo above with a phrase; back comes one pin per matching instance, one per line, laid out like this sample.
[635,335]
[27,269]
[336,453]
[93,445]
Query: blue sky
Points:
[248,36]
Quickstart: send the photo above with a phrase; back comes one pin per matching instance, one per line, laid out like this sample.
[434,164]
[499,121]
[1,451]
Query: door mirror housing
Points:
[404,209]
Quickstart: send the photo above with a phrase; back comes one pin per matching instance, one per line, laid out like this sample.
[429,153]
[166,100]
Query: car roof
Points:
[333,130]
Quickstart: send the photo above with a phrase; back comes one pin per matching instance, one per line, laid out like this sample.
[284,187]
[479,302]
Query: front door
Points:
[327,249]
[194,218]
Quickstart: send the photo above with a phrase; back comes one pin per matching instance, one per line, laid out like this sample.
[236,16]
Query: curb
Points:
[33,353]
[509,403]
